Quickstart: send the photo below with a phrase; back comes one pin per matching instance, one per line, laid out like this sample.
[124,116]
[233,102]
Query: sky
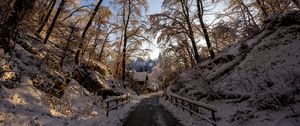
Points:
[154,7]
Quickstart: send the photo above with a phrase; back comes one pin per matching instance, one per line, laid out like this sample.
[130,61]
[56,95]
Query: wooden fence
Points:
[119,101]
[192,106]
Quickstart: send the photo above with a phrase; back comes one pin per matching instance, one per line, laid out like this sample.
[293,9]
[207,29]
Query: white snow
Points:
[268,75]
[183,116]
[26,105]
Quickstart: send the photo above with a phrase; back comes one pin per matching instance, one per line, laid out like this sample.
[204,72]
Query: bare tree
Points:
[81,44]
[297,2]
[9,28]
[73,28]
[60,8]
[185,9]
[204,29]
[131,11]
[176,19]
[45,20]
[104,43]
[262,7]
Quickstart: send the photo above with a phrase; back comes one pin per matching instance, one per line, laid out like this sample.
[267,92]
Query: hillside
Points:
[36,90]
[136,62]
[255,82]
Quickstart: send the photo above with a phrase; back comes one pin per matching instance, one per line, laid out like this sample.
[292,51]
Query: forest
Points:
[167,62]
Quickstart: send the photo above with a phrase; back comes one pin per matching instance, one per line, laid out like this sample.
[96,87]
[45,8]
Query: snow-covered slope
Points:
[255,82]
[36,90]
[25,105]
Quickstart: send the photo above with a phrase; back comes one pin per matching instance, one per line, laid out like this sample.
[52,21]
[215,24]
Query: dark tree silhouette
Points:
[61,6]
[9,27]
[45,20]
[204,29]
[85,31]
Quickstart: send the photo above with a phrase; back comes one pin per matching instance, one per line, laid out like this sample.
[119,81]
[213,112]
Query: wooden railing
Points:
[192,106]
[119,101]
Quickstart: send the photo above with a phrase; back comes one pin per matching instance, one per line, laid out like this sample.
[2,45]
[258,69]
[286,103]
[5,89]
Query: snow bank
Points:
[255,82]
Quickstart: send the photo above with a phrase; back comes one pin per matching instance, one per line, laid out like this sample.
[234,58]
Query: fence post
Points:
[190,106]
[107,105]
[213,116]
[166,97]
[196,109]
[182,104]
[117,101]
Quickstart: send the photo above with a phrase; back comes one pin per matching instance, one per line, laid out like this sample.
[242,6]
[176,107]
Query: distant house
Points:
[140,77]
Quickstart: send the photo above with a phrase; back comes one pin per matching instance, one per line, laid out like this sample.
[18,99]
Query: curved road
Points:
[150,113]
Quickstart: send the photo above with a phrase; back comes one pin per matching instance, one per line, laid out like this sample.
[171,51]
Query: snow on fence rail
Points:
[192,106]
[119,101]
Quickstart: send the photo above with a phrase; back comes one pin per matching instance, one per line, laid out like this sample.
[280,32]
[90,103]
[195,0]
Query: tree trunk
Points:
[191,57]
[190,31]
[200,16]
[48,3]
[102,48]
[45,20]
[8,28]
[189,51]
[61,6]
[85,31]
[263,9]
[86,45]
[249,13]
[96,42]
[124,57]
[45,8]
[126,22]
[67,46]
[272,8]
[104,43]
[297,2]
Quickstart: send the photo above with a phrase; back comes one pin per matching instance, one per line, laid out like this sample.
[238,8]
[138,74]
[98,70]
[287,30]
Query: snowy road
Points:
[150,113]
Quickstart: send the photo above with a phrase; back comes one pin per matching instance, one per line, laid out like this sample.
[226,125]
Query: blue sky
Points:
[154,7]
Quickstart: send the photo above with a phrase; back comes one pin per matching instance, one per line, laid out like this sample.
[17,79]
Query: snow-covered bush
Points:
[58,106]
[53,84]
[93,81]
[99,68]
[241,116]
[272,101]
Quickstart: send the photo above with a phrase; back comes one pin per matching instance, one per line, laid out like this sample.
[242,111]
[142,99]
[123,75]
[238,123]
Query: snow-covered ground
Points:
[184,117]
[25,105]
[255,82]
[234,115]
[31,80]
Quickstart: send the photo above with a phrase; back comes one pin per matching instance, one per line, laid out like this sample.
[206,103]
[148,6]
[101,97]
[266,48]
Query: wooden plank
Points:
[203,105]
[115,106]
[201,116]
[125,97]
[122,97]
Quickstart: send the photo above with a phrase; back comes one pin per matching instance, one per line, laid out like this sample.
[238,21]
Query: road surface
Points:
[150,113]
